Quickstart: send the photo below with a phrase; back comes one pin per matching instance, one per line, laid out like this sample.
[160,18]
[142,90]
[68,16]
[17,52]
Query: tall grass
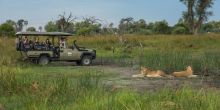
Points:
[8,53]
[88,92]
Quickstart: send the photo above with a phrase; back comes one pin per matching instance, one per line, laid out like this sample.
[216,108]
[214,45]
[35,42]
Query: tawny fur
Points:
[187,73]
[146,72]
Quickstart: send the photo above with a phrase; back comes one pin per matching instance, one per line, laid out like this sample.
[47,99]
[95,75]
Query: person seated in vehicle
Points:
[31,44]
[48,44]
[36,43]
[26,43]
[63,43]
[25,40]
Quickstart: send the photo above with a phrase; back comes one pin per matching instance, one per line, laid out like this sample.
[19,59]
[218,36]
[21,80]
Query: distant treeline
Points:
[92,26]
[193,21]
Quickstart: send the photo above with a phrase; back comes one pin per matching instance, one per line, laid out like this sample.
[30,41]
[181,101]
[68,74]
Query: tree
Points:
[202,13]
[161,27]
[51,27]
[108,29]
[189,14]
[31,29]
[126,25]
[65,24]
[180,28]
[88,26]
[141,24]
[11,22]
[212,26]
[197,13]
[20,24]
[7,29]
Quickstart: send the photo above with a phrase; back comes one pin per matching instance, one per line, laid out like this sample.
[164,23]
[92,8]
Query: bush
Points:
[7,29]
[31,29]
[161,27]
[145,32]
[179,30]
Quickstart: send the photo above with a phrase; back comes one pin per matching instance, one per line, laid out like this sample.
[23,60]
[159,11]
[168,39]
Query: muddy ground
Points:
[122,78]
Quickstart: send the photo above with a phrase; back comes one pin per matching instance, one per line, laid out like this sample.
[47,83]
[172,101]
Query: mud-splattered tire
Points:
[43,60]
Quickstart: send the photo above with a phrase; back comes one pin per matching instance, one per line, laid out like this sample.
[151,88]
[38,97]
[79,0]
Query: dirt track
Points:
[122,79]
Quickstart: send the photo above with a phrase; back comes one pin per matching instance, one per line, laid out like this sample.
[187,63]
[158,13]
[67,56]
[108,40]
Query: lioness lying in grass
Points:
[187,73]
[146,72]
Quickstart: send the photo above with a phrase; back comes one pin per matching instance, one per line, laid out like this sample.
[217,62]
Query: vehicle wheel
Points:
[86,61]
[44,60]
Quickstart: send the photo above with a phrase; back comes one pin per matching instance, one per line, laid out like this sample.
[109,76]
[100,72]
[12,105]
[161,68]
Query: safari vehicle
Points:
[45,52]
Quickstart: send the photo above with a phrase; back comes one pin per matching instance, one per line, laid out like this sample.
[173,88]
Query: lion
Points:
[146,72]
[187,73]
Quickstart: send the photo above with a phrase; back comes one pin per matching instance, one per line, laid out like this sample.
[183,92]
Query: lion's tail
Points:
[138,76]
[193,76]
[168,76]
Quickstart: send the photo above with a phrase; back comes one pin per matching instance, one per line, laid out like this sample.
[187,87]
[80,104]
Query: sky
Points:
[39,12]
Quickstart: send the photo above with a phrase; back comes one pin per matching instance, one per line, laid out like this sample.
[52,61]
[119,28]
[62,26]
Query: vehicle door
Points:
[69,54]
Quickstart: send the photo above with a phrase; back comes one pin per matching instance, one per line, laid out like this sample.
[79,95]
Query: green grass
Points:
[82,88]
[166,52]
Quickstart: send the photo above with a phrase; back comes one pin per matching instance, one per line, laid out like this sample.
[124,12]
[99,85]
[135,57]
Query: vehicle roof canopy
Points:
[58,34]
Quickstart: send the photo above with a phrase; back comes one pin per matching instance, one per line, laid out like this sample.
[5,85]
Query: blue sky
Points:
[38,12]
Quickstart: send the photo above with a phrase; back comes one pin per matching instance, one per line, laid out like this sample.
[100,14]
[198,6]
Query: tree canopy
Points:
[197,13]
[7,29]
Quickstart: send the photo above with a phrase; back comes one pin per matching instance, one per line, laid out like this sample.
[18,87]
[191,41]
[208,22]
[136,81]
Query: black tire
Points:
[43,60]
[86,60]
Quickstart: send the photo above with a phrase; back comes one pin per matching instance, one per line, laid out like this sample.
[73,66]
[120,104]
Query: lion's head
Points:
[189,69]
[145,70]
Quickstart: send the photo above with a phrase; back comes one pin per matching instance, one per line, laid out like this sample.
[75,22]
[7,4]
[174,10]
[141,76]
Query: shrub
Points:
[145,32]
[179,30]
[7,29]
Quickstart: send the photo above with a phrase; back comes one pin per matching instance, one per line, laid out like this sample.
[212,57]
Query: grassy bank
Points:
[81,88]
[27,86]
